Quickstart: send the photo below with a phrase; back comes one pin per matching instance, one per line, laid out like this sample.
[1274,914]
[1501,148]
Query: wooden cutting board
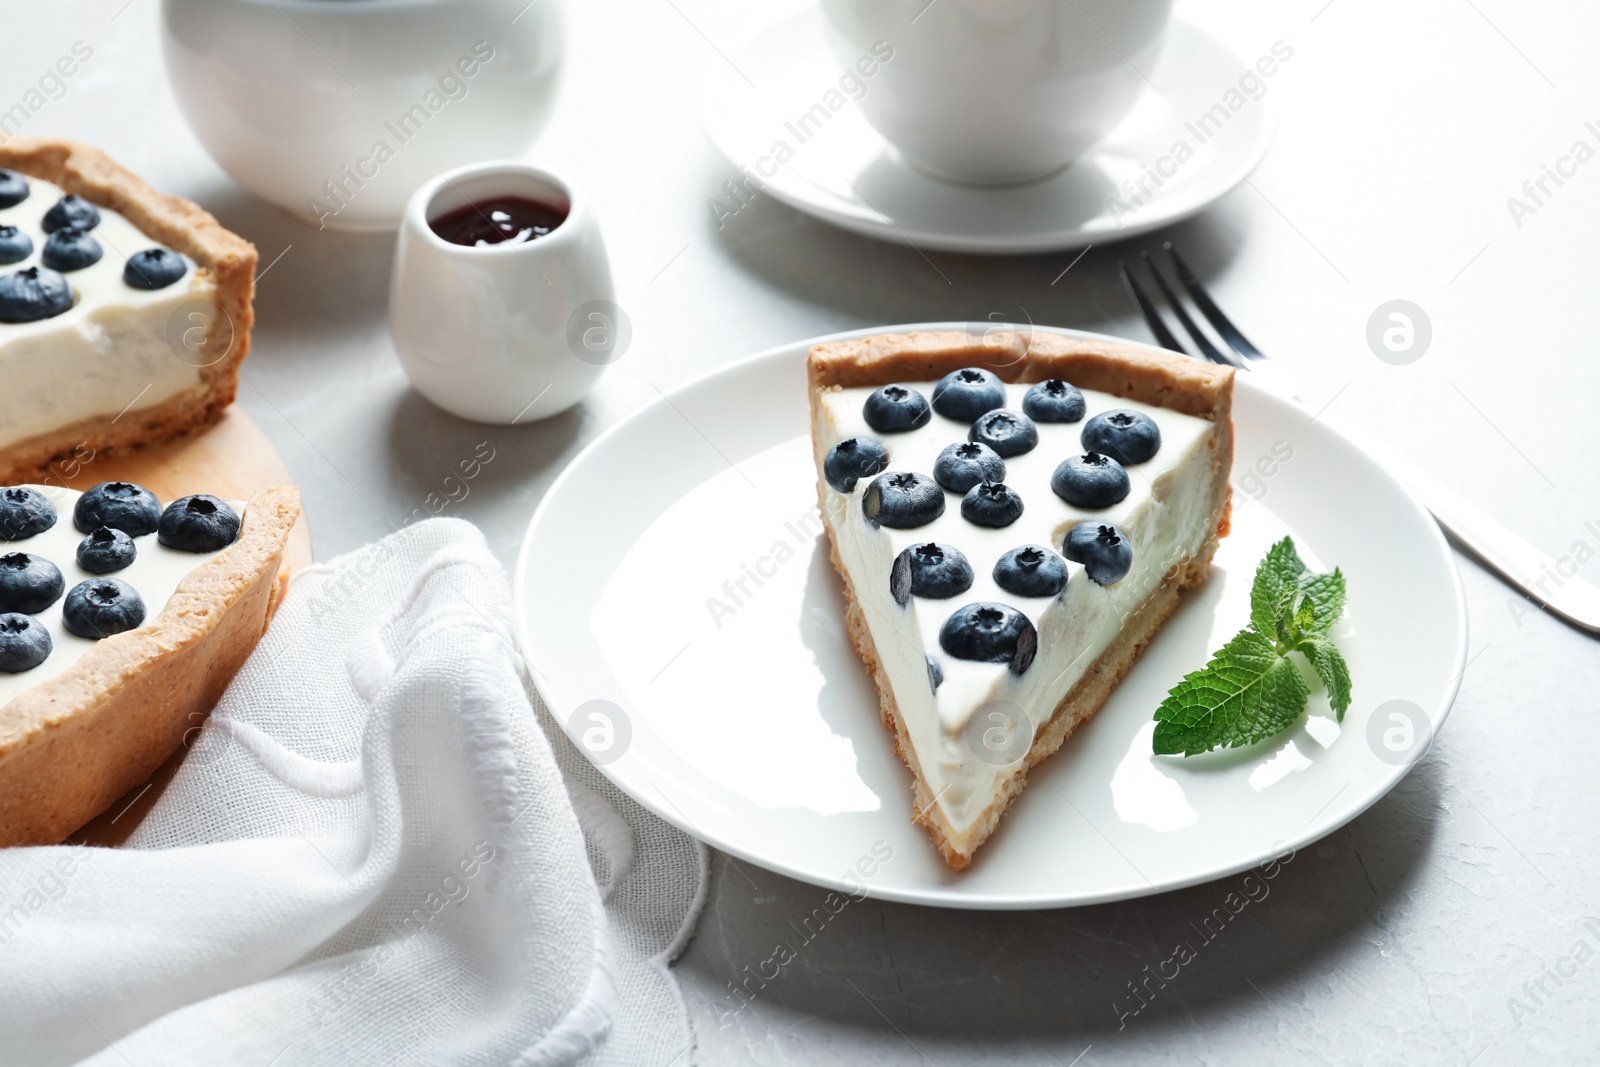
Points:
[230,460]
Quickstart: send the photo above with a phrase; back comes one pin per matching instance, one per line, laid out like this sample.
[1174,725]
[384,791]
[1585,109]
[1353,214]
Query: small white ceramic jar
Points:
[503,333]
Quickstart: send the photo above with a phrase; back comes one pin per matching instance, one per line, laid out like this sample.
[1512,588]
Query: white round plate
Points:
[842,170]
[682,618]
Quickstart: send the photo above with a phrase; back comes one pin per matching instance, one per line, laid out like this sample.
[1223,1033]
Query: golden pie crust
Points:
[1145,375]
[228,259]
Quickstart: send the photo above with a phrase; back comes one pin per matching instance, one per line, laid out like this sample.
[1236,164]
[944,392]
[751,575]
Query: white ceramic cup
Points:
[337,111]
[998,91]
[505,333]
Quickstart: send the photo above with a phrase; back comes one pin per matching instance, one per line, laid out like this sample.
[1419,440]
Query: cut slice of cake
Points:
[1013,519]
[124,313]
[121,623]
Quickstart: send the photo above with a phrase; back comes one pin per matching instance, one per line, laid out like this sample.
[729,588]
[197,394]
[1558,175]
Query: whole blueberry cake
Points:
[1013,520]
[121,622]
[124,313]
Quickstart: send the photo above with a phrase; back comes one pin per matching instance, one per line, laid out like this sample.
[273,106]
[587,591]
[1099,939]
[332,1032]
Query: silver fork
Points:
[1516,561]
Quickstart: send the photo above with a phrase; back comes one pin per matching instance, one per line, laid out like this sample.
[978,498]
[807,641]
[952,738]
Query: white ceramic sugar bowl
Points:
[336,110]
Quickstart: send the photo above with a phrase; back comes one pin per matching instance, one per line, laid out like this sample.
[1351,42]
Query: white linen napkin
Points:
[379,851]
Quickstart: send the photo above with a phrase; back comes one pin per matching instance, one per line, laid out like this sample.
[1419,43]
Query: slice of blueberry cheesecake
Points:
[1013,520]
[124,313]
[121,623]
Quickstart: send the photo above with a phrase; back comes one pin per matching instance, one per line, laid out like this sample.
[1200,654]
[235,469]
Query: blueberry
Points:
[935,673]
[154,268]
[33,293]
[101,607]
[106,550]
[70,248]
[133,509]
[1009,433]
[1126,436]
[13,188]
[990,633]
[902,500]
[1105,554]
[852,459]
[1031,571]
[936,572]
[24,512]
[1053,400]
[15,246]
[1090,481]
[962,466]
[896,409]
[70,211]
[28,583]
[965,394]
[198,524]
[991,504]
[24,642]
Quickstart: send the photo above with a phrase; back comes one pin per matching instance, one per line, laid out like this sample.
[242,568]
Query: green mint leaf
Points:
[1283,619]
[1251,689]
[1303,616]
[1304,613]
[1326,591]
[1246,693]
[1331,668]
[1277,578]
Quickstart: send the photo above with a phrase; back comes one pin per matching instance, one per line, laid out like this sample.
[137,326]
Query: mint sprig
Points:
[1251,689]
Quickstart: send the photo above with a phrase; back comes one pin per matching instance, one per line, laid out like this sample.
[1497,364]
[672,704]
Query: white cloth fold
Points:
[381,850]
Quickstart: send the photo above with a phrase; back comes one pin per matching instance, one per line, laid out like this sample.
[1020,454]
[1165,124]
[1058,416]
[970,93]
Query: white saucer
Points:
[756,728]
[846,174]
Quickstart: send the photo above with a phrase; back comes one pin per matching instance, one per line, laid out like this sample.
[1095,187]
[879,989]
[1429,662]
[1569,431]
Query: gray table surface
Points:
[1426,931]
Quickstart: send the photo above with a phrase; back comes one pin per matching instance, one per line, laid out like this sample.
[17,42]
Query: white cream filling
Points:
[155,573]
[1166,517]
[111,352]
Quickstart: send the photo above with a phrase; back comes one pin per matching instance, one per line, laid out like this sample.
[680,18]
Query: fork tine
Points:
[1157,325]
[1208,307]
[1202,342]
